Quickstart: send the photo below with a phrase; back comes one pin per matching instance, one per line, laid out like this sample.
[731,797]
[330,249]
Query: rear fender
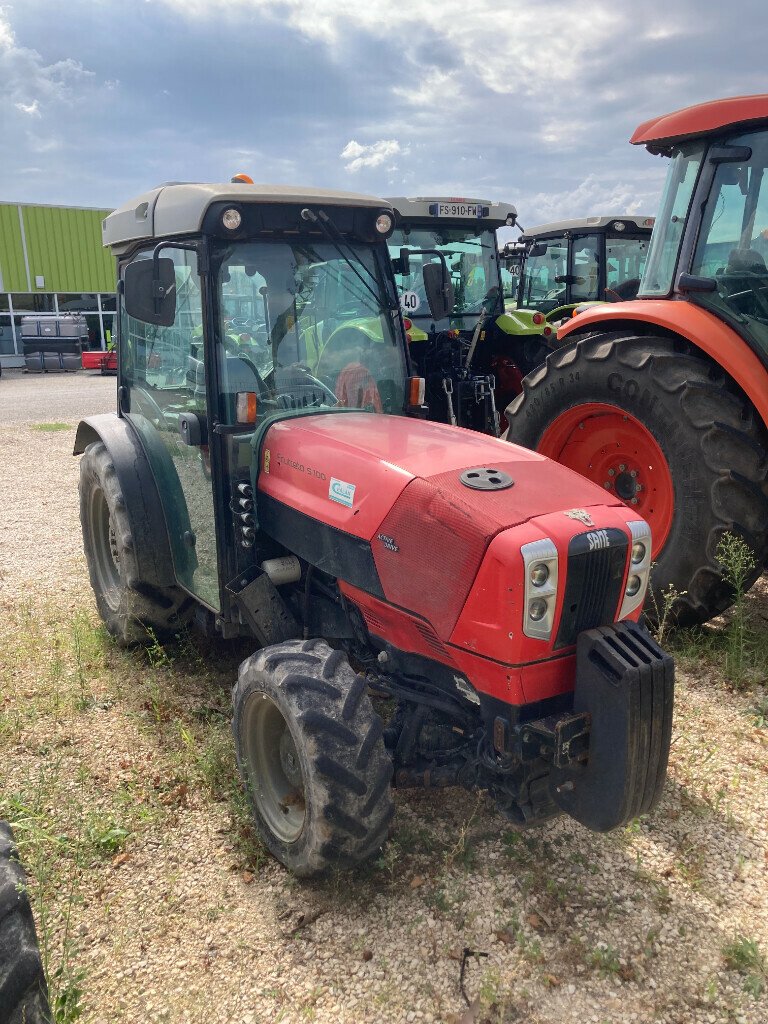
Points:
[700,328]
[154,559]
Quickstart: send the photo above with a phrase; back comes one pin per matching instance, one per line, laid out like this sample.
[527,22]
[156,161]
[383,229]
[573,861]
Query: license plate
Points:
[456,210]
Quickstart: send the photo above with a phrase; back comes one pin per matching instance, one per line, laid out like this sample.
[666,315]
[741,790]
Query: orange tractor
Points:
[664,400]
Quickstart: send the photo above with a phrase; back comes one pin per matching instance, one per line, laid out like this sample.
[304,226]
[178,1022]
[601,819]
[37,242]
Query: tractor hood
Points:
[348,470]
[392,507]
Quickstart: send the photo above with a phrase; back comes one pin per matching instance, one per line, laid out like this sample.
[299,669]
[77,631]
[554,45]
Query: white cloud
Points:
[594,196]
[512,48]
[30,84]
[33,108]
[373,155]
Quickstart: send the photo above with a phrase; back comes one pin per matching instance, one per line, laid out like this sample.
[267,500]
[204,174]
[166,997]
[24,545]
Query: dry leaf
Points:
[505,936]
[304,920]
[247,877]
[367,955]
[416,881]
[121,858]
[552,981]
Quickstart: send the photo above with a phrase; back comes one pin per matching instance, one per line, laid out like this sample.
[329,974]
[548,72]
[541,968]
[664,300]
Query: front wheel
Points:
[133,611]
[664,430]
[311,753]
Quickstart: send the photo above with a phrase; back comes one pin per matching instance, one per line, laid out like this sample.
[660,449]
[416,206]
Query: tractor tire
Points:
[636,410]
[311,753]
[23,991]
[134,612]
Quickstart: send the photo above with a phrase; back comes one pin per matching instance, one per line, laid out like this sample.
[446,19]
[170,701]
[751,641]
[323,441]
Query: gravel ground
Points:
[173,922]
[54,397]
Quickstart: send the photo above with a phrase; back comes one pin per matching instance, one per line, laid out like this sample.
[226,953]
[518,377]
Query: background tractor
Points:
[566,264]
[663,401]
[473,360]
[282,485]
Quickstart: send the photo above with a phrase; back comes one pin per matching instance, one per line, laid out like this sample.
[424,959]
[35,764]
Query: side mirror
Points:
[149,291]
[402,263]
[439,290]
[537,249]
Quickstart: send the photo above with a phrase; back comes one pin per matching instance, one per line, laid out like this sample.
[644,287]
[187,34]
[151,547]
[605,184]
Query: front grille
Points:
[596,563]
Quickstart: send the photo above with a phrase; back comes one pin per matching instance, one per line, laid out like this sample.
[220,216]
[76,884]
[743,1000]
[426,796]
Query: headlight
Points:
[638,552]
[231,219]
[633,586]
[384,223]
[639,568]
[540,567]
[539,574]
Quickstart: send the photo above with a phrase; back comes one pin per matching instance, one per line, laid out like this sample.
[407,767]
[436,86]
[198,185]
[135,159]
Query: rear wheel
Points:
[23,991]
[311,753]
[133,610]
[664,430]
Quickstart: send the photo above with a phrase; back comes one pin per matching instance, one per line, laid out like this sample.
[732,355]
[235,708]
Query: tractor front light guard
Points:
[540,568]
[639,567]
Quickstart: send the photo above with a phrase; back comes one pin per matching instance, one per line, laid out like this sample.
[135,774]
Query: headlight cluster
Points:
[639,567]
[540,566]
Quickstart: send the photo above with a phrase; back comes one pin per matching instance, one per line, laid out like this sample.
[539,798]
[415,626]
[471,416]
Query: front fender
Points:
[154,557]
[702,329]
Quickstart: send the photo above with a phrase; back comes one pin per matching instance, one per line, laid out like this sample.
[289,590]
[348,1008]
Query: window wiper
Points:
[323,221]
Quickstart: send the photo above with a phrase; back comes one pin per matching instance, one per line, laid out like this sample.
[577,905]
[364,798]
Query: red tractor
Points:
[663,401]
[282,484]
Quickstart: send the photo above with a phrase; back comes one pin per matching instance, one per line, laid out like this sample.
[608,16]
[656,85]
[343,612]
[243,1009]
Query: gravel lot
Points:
[173,921]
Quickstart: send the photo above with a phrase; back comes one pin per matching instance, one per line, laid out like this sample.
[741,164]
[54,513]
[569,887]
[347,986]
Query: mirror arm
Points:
[158,293]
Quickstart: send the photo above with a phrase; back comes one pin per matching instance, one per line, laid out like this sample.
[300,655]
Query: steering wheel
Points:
[296,382]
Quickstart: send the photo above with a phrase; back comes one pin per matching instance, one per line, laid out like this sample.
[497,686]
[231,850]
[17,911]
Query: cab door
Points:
[162,378]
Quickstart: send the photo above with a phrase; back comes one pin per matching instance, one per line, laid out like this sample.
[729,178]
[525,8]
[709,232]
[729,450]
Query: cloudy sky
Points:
[529,101]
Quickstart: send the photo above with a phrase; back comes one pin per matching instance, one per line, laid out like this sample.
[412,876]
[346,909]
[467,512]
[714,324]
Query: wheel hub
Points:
[618,451]
[289,760]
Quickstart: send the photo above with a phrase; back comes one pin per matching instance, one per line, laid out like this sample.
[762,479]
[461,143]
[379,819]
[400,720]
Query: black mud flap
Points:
[626,684]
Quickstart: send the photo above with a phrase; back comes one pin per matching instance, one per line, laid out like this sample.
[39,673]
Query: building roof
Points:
[701,119]
[635,222]
[179,208]
[422,208]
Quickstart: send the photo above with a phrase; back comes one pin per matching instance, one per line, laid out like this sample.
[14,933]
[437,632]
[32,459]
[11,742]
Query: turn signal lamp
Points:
[246,407]
[416,391]
[538,318]
[241,179]
[407,324]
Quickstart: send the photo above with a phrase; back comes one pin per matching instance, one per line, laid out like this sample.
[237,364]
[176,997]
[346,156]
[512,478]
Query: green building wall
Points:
[52,261]
[63,246]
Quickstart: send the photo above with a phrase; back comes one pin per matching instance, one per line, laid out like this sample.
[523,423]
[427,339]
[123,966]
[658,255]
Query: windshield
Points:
[472,262]
[733,240]
[303,329]
[668,230]
[539,285]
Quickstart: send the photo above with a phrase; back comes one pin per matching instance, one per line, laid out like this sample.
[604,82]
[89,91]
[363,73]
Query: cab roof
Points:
[635,222]
[178,208]
[422,208]
[701,119]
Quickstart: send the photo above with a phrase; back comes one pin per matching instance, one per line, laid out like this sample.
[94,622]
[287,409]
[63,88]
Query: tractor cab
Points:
[240,307]
[573,262]
[474,358]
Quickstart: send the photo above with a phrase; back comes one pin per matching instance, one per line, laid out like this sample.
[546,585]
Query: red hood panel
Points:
[349,470]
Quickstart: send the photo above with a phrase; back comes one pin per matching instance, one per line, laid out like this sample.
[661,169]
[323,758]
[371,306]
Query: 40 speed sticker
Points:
[409,302]
[341,491]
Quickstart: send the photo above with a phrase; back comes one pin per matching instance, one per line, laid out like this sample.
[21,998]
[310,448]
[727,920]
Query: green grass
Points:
[50,428]
[745,956]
